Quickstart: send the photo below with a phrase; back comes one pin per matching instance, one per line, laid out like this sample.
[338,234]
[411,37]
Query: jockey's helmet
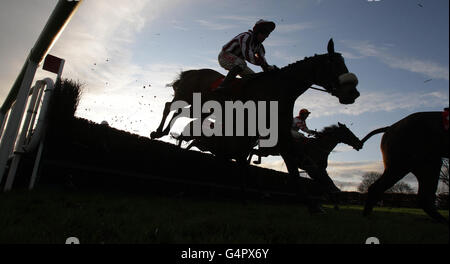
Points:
[304,111]
[264,26]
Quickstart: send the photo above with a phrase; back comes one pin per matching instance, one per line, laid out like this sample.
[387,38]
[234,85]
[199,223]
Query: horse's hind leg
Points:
[428,177]
[387,180]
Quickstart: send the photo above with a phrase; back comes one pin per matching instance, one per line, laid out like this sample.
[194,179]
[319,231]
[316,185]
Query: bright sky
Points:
[125,52]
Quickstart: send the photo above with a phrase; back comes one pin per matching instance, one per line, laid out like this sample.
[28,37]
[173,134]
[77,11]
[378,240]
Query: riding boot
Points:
[229,79]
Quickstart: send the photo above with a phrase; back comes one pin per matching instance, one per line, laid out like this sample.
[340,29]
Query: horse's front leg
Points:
[334,197]
[243,173]
[302,192]
[319,173]
[159,133]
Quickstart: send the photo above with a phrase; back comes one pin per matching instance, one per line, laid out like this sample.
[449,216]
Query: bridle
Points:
[319,89]
[341,79]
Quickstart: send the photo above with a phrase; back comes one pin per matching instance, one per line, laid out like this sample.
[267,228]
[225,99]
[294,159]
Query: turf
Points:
[52,215]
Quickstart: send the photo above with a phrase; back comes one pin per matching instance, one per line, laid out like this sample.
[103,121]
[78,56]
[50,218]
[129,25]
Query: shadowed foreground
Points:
[51,215]
[103,185]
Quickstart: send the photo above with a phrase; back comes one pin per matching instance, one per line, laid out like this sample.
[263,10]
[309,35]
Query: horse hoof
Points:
[155,134]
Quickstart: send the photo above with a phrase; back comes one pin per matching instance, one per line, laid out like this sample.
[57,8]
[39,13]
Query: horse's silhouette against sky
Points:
[284,86]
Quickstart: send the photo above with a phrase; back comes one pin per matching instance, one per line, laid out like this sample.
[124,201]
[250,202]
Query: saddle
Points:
[302,140]
[235,86]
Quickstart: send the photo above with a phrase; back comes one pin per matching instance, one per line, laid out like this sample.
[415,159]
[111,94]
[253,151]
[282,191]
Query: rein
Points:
[319,89]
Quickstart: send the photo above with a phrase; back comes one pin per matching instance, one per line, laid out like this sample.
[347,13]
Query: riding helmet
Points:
[264,26]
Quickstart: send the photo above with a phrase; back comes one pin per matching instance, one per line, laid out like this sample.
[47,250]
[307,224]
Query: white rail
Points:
[31,136]
[18,94]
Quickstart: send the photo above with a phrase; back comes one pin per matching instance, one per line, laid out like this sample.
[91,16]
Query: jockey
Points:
[246,46]
[299,123]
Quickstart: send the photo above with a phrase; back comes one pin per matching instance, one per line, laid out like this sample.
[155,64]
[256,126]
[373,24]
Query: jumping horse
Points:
[284,86]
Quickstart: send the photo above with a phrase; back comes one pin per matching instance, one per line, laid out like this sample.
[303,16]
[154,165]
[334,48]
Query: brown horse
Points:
[283,86]
[414,144]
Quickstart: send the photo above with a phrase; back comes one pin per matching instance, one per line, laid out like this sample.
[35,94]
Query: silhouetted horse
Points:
[316,152]
[283,86]
[414,144]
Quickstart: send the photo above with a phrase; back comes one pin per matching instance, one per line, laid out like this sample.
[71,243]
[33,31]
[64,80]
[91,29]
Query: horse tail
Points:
[374,132]
[176,83]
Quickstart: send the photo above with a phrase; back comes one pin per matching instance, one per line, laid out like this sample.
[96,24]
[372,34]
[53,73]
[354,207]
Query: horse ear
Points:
[330,46]
[340,124]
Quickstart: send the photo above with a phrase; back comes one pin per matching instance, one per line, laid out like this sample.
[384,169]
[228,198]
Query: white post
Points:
[15,118]
[35,111]
[2,122]
[37,161]
[39,132]
[36,165]
[3,118]
[18,151]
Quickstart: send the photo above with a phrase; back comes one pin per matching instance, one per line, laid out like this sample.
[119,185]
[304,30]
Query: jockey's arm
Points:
[263,63]
[307,130]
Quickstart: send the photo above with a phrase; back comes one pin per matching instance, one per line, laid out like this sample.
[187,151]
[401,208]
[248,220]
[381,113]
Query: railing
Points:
[32,132]
[18,94]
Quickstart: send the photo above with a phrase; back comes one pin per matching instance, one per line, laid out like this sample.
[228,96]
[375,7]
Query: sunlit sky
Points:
[125,52]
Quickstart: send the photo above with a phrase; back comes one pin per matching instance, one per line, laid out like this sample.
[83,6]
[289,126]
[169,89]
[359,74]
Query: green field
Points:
[50,216]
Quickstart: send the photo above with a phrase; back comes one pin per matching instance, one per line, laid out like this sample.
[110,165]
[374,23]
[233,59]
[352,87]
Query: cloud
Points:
[96,43]
[98,48]
[289,28]
[178,25]
[350,55]
[214,25]
[346,175]
[280,42]
[428,68]
[248,20]
[20,25]
[283,56]
[325,105]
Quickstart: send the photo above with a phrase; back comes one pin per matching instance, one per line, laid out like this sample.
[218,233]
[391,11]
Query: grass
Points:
[50,216]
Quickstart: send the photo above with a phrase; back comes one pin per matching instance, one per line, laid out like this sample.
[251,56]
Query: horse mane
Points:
[328,129]
[286,68]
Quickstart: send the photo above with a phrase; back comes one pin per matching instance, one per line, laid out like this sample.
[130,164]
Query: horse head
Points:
[333,75]
[346,136]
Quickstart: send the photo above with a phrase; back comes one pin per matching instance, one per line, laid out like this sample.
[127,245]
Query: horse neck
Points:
[327,143]
[301,74]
